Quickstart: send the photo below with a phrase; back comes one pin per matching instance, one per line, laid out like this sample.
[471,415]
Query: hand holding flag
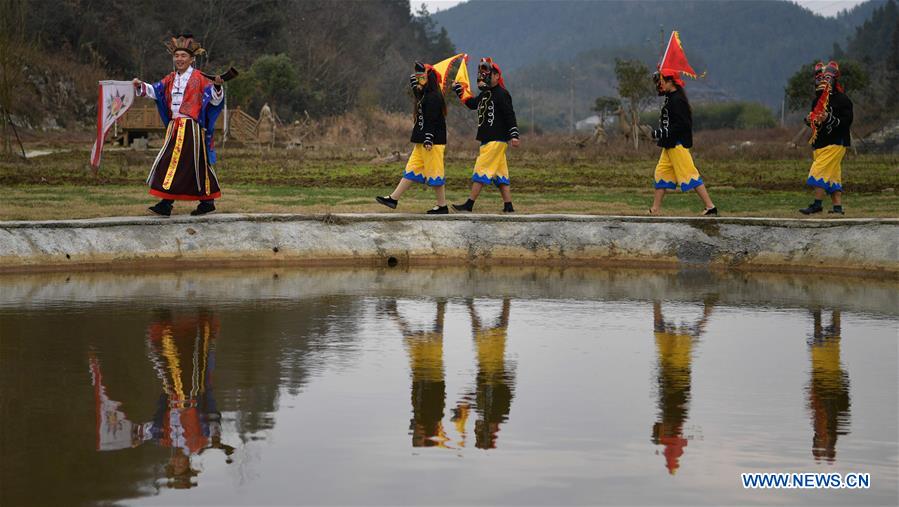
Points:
[463,81]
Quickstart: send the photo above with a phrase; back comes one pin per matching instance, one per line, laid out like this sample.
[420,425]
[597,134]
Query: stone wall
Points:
[844,246]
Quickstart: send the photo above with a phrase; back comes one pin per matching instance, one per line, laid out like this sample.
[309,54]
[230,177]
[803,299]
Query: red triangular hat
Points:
[674,61]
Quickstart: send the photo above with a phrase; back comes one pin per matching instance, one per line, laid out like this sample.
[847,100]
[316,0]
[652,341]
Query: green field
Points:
[545,179]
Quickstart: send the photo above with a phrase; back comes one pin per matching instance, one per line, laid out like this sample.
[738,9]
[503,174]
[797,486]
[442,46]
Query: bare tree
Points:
[636,89]
[12,45]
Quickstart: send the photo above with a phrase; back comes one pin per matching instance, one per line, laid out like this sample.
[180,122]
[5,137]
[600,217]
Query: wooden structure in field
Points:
[142,121]
[138,121]
[242,126]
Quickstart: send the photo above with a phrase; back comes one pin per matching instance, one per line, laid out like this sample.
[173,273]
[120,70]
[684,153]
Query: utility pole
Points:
[571,103]
[661,41]
[783,107]
[533,96]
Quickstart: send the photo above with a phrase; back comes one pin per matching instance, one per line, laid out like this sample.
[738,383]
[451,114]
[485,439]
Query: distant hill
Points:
[749,48]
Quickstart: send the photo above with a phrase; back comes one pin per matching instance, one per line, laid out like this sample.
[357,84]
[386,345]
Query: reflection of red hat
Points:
[674,449]
[674,61]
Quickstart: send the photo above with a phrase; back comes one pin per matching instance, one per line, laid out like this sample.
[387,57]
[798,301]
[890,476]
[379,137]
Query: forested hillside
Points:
[875,45]
[325,58]
[329,56]
[749,48]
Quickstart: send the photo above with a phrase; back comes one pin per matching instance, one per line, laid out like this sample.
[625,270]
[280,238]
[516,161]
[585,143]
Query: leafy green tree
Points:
[754,116]
[732,115]
[277,79]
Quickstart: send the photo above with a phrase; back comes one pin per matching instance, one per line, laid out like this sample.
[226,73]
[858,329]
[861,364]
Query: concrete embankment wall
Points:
[846,246]
[266,285]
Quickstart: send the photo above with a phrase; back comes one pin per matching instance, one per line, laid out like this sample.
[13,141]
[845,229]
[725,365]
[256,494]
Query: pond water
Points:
[444,386]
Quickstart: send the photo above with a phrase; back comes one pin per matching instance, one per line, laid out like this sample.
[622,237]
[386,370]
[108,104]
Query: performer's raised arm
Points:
[142,89]
[471,102]
[218,92]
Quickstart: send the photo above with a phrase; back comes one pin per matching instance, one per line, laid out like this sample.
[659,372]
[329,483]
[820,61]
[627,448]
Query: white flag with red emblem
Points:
[114,430]
[115,98]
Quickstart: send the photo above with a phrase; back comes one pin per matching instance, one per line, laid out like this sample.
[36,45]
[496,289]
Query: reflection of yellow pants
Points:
[491,344]
[827,168]
[675,168]
[491,166]
[426,166]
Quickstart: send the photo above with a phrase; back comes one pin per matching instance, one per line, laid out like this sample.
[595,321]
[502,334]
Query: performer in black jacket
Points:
[425,164]
[497,129]
[830,119]
[675,132]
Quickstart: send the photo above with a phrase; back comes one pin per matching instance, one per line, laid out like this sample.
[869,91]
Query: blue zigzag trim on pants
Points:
[496,180]
[480,178]
[826,185]
[690,185]
[420,178]
[665,184]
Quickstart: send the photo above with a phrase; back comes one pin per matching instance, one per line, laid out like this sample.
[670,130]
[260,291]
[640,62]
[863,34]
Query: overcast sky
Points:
[823,7]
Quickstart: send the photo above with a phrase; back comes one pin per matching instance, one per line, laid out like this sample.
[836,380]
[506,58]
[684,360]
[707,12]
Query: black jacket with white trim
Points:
[496,116]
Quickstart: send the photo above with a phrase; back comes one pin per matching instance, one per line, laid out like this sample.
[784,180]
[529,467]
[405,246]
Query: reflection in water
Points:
[490,397]
[829,388]
[182,351]
[674,344]
[494,382]
[296,358]
[425,348]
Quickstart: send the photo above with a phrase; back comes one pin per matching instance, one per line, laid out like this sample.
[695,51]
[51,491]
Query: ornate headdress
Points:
[184,42]
[674,61]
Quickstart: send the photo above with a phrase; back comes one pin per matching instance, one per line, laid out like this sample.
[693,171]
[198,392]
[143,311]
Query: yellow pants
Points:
[426,166]
[827,168]
[675,168]
[491,166]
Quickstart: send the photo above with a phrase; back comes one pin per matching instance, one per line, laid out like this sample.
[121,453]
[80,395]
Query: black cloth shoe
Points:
[438,210]
[812,208]
[710,212]
[507,207]
[388,201]
[203,208]
[465,208]
[162,208]
[837,210]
